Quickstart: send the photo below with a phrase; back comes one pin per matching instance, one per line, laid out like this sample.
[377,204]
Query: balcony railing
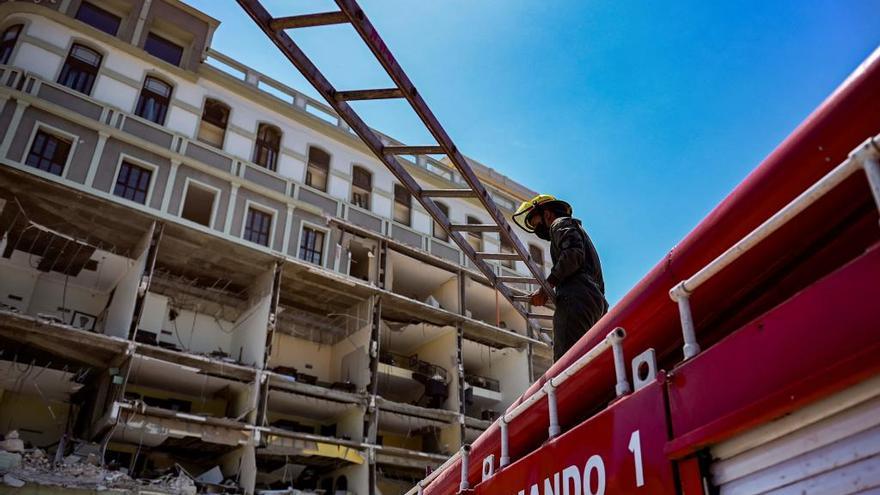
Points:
[482,382]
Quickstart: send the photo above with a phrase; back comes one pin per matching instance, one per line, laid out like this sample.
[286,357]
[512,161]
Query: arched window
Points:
[215,117]
[154,100]
[475,239]
[361,187]
[318,169]
[439,233]
[7,42]
[507,248]
[80,69]
[402,205]
[268,144]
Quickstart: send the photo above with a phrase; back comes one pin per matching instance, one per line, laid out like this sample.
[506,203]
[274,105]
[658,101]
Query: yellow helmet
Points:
[522,214]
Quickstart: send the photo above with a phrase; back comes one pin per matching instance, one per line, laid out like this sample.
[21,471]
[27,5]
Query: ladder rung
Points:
[475,227]
[523,298]
[308,20]
[413,150]
[539,316]
[369,94]
[515,280]
[449,193]
[498,256]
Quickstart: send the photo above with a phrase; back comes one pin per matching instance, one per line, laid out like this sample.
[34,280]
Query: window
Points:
[80,69]
[133,182]
[439,233]
[268,144]
[258,226]
[48,152]
[311,246]
[361,187]
[198,205]
[537,254]
[507,247]
[475,239]
[215,116]
[98,18]
[164,49]
[319,168]
[153,102]
[402,205]
[7,42]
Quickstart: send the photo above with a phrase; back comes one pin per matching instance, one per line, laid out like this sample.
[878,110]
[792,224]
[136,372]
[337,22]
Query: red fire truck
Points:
[753,346]
[746,362]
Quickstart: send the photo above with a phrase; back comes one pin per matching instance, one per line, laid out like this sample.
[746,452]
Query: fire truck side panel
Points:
[737,382]
[618,451]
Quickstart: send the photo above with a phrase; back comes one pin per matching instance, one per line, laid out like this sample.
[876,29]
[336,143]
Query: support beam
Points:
[449,193]
[308,20]
[413,150]
[369,94]
[497,256]
[474,227]
[146,278]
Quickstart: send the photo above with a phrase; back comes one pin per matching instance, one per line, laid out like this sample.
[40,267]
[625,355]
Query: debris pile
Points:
[20,466]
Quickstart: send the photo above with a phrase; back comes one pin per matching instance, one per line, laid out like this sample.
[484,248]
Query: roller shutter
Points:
[829,447]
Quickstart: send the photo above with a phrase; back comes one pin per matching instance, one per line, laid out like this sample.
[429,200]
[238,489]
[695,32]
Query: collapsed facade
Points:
[202,268]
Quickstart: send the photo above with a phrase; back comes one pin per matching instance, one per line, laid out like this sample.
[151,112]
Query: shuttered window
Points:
[361,187]
[318,168]
[402,205]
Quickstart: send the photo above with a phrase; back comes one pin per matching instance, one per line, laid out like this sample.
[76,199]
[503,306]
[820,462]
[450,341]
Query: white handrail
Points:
[865,156]
[614,340]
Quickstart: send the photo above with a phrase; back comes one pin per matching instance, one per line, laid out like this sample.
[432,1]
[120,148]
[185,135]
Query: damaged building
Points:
[204,271]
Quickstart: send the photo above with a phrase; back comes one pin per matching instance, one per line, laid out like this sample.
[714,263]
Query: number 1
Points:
[635,446]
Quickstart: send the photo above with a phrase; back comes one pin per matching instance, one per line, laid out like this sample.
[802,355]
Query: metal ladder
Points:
[350,13]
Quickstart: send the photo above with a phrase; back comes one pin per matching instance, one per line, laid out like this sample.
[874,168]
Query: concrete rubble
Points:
[20,466]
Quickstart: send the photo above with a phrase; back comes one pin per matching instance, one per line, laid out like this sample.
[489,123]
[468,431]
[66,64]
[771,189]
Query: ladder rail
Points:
[373,141]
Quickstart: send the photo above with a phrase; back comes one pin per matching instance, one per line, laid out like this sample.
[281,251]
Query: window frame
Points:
[395,202]
[305,224]
[68,58]
[435,226]
[138,163]
[50,129]
[202,121]
[306,180]
[140,99]
[273,214]
[101,10]
[260,144]
[217,192]
[167,39]
[368,190]
[504,247]
[532,246]
[13,44]
[475,235]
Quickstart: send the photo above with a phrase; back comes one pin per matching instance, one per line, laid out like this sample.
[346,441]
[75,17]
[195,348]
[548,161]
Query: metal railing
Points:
[482,382]
[613,341]
[864,157]
[414,364]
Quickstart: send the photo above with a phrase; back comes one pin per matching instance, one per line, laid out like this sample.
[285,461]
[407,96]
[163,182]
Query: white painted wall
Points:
[116,93]
[306,356]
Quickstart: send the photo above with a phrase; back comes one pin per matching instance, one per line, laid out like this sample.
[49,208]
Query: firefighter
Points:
[576,276]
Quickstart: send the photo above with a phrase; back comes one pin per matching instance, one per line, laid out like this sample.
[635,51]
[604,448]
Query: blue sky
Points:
[643,115]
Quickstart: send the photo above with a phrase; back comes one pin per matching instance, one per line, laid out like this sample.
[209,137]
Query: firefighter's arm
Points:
[571,252]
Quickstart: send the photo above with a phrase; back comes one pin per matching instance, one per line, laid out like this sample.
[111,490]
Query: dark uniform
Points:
[577,277]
